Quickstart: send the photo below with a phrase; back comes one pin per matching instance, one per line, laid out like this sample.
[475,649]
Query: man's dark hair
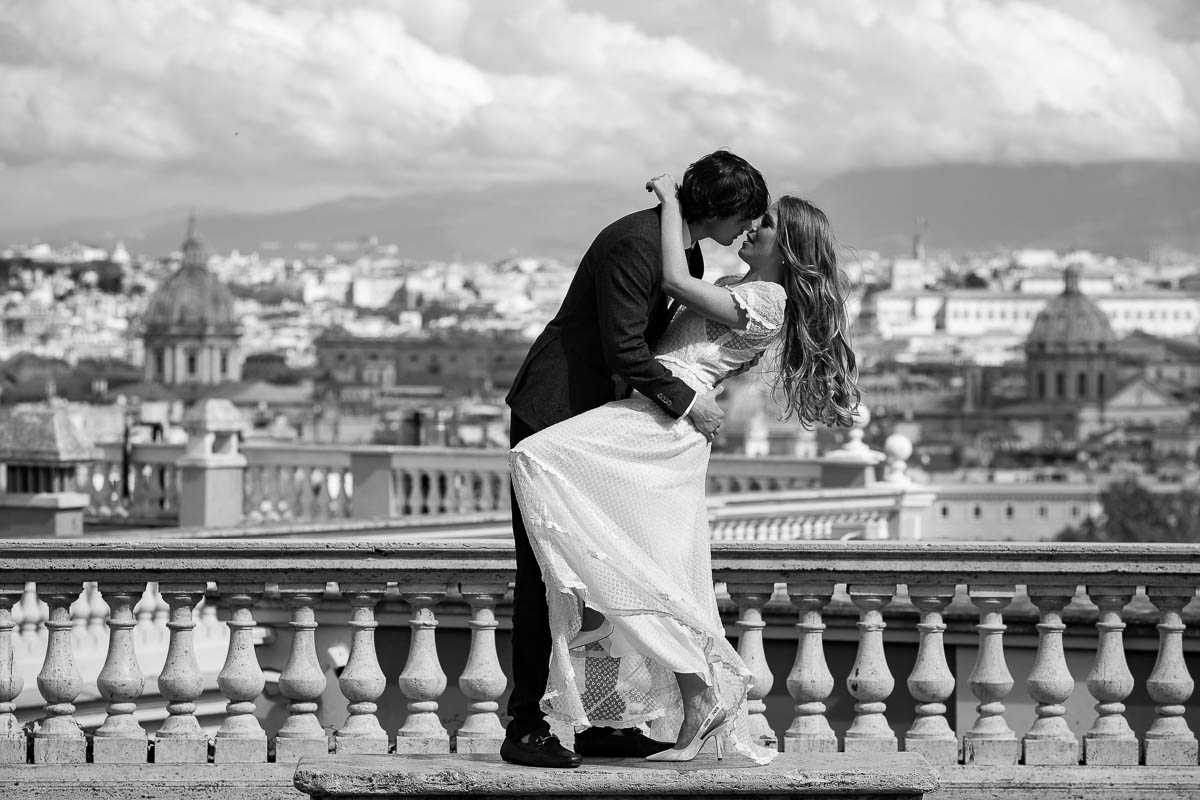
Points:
[722,184]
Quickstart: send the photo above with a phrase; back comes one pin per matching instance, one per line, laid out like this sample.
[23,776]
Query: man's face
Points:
[725,230]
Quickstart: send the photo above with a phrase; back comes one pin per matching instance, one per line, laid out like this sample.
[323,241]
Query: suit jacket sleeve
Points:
[625,290]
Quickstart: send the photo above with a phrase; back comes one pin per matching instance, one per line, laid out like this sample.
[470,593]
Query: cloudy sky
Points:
[131,106]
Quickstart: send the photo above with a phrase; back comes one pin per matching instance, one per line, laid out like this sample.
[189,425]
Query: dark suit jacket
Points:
[613,313]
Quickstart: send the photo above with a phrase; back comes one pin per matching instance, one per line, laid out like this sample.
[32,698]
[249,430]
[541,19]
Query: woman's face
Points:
[760,247]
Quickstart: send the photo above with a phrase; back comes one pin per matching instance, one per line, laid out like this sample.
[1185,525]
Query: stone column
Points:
[810,682]
[1170,742]
[241,739]
[181,740]
[212,470]
[482,680]
[870,681]
[362,681]
[59,739]
[302,680]
[991,741]
[423,680]
[12,735]
[121,740]
[931,682]
[1050,740]
[1110,742]
[750,599]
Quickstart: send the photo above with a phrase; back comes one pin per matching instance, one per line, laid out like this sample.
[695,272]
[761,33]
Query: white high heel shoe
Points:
[584,638]
[711,728]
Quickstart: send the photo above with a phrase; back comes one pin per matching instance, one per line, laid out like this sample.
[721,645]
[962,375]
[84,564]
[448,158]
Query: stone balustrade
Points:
[300,482]
[296,483]
[140,486]
[879,511]
[895,594]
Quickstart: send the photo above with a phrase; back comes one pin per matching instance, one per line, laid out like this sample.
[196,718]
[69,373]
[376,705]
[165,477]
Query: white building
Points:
[978,312]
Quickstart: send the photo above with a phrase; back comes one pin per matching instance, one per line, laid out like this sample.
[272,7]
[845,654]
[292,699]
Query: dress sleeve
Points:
[764,304]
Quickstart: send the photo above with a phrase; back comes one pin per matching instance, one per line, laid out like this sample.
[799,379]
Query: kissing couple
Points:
[615,620]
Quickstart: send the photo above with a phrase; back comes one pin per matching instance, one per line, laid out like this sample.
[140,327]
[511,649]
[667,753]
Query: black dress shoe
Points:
[542,750]
[622,743]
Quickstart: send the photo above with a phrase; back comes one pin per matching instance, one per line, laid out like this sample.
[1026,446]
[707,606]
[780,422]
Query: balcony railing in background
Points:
[920,579]
[140,488]
[297,482]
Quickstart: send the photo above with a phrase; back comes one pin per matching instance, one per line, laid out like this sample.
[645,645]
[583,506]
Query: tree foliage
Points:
[1133,513]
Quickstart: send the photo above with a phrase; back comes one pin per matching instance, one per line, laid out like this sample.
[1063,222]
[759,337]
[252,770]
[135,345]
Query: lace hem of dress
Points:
[737,675]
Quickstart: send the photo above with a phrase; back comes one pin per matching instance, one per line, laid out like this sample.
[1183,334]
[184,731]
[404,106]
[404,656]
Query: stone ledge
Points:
[1067,783]
[148,782]
[809,776]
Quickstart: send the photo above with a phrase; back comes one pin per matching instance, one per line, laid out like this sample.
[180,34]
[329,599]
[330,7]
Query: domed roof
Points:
[191,300]
[1070,322]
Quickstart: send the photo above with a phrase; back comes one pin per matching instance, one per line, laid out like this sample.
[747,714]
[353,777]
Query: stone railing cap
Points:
[790,775]
[43,436]
[213,415]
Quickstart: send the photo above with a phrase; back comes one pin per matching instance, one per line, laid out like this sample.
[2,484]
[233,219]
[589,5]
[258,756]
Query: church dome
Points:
[1071,323]
[191,300]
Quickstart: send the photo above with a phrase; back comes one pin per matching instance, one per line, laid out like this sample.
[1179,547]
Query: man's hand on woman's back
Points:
[706,415]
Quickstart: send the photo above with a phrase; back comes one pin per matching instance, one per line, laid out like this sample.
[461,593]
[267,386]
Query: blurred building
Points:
[190,329]
[969,313]
[361,371]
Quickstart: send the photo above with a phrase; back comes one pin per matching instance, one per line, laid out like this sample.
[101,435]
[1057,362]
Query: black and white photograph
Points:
[599,398]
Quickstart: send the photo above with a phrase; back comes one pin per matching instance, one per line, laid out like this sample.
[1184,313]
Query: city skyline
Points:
[261,106]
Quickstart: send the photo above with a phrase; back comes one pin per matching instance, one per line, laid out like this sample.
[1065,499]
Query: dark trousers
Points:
[530,622]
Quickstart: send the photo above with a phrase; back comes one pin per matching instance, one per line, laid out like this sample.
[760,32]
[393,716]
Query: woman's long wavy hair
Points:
[818,372]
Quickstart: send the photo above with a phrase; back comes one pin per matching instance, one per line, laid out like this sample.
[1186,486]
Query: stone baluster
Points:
[12,735]
[482,681]
[991,741]
[120,740]
[180,739]
[59,739]
[931,683]
[32,616]
[80,610]
[241,738]
[362,680]
[1110,742]
[144,610]
[478,492]
[1050,740]
[453,498]
[302,680]
[98,611]
[435,498]
[750,599]
[870,681]
[504,497]
[1170,742]
[422,680]
[162,610]
[810,682]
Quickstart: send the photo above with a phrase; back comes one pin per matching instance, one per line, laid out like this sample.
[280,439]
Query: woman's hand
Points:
[664,186]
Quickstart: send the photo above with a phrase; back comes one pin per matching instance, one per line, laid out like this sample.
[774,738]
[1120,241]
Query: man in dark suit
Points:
[595,350]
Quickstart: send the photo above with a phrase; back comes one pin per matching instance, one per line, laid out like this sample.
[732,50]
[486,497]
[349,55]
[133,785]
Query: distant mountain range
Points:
[1117,208]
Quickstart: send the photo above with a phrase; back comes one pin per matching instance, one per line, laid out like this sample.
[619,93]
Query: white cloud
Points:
[291,97]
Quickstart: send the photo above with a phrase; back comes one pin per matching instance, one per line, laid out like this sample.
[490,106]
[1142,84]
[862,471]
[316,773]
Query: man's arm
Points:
[625,279]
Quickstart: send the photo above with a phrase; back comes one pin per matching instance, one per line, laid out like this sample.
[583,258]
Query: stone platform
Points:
[811,776]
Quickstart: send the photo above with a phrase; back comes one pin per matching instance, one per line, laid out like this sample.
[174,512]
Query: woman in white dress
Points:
[614,498]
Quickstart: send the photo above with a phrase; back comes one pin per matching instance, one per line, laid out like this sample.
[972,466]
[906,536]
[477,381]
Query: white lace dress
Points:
[613,500]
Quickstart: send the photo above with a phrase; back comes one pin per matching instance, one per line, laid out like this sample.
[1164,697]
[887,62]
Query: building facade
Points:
[190,329]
